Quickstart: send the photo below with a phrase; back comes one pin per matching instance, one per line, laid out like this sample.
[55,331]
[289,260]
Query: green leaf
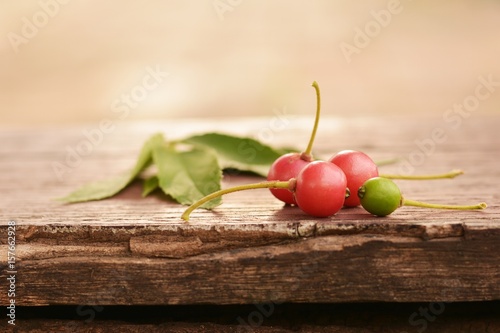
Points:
[106,188]
[188,176]
[150,185]
[187,170]
[244,154]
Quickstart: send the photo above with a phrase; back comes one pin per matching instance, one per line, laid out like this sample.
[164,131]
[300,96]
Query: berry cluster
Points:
[321,188]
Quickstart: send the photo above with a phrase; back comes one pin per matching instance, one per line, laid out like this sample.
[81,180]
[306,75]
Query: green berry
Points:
[380,196]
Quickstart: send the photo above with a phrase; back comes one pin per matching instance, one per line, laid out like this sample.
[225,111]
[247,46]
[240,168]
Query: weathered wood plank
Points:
[345,268]
[252,249]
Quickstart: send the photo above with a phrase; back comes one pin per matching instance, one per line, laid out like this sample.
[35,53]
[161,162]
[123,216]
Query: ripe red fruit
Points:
[285,168]
[288,166]
[358,168]
[320,189]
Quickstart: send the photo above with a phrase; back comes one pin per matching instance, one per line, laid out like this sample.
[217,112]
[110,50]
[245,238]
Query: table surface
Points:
[129,250]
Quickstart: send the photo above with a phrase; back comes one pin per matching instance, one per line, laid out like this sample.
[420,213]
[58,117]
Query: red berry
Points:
[320,189]
[358,168]
[285,168]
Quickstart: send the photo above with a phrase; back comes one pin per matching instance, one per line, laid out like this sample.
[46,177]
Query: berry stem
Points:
[269,184]
[451,174]
[307,154]
[387,161]
[414,203]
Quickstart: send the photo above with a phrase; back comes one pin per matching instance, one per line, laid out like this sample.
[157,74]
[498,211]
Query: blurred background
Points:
[73,61]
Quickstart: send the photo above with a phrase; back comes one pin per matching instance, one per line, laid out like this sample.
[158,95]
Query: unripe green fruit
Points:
[380,196]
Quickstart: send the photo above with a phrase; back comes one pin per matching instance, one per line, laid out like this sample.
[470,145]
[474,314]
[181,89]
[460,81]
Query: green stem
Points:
[387,161]
[307,154]
[451,174]
[414,203]
[270,184]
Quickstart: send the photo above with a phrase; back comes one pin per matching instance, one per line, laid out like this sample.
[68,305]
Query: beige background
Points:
[257,57]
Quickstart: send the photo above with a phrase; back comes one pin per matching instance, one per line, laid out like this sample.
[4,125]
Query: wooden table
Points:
[130,251]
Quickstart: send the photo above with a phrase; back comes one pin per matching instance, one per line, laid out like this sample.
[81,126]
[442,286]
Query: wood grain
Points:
[133,251]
